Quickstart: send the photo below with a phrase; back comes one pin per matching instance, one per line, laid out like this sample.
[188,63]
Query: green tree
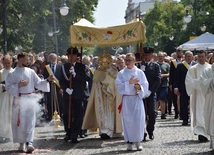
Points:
[201,7]
[26,23]
[164,20]
[167,19]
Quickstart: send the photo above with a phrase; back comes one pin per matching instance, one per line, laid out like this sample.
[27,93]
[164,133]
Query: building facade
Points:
[138,8]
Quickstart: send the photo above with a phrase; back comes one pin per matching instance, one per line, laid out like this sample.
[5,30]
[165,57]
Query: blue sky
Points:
[110,12]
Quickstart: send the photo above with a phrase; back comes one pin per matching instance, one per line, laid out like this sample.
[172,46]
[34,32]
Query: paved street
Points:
[170,139]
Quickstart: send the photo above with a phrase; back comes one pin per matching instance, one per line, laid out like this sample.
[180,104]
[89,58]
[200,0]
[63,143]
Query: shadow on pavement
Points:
[115,144]
[170,122]
[48,132]
[167,120]
[117,152]
[184,142]
[193,153]
[52,144]
[12,152]
[176,125]
[4,140]
[50,136]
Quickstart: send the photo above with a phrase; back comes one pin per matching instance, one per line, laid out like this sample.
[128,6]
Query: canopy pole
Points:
[81,50]
[141,51]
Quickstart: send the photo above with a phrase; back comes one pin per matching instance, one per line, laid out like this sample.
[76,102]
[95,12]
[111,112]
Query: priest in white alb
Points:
[207,86]
[197,100]
[21,84]
[132,84]
[6,100]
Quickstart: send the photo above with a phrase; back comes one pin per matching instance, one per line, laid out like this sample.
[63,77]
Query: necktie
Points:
[146,64]
[52,68]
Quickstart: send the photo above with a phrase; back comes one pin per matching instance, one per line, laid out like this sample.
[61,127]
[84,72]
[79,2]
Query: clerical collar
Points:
[129,69]
[22,67]
[7,69]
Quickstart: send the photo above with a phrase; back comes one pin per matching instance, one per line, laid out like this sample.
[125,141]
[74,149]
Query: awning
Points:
[203,42]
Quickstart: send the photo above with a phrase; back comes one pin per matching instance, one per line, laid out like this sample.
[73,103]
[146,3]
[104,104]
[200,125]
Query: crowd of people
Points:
[87,92]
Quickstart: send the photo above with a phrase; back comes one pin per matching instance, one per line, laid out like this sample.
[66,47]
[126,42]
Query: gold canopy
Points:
[85,34]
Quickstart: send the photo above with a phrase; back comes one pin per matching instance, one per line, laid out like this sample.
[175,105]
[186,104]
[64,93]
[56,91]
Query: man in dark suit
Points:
[172,74]
[73,79]
[153,75]
[180,88]
[55,69]
[87,90]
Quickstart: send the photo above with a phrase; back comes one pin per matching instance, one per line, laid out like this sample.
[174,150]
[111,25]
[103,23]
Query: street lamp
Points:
[64,9]
[208,14]
[117,49]
[45,44]
[4,5]
[156,43]
[171,37]
[51,33]
[54,20]
[170,46]
[188,18]
[203,27]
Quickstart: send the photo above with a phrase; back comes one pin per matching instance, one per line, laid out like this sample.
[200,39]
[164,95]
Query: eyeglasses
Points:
[128,60]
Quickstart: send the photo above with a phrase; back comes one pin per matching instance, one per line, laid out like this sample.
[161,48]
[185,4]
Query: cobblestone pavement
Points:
[170,139]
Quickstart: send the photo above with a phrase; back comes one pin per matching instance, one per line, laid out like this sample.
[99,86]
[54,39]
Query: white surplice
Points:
[197,100]
[207,87]
[25,106]
[5,108]
[133,113]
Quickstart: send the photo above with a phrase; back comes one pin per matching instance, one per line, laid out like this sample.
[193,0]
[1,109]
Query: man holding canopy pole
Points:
[73,79]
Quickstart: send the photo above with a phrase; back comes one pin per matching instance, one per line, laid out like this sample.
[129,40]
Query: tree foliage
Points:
[201,7]
[26,26]
[167,19]
[164,20]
